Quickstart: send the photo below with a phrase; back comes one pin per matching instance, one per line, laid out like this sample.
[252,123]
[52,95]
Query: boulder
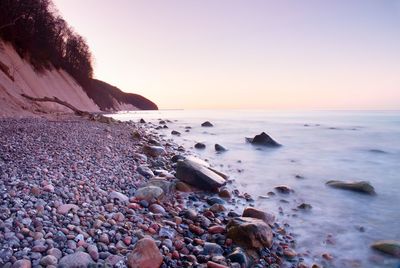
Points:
[258,214]
[149,193]
[75,260]
[263,139]
[207,124]
[250,233]
[199,145]
[219,148]
[154,151]
[357,186]
[145,255]
[198,175]
[390,247]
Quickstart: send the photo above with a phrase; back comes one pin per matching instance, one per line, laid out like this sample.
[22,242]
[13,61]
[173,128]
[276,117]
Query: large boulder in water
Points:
[250,232]
[357,186]
[263,139]
[198,175]
[388,246]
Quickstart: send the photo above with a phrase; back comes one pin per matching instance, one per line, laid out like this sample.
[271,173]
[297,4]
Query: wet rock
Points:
[225,193]
[198,175]
[211,264]
[304,206]
[219,148]
[289,253]
[264,140]
[199,145]
[22,264]
[157,209]
[357,186]
[145,255]
[183,187]
[250,232]
[390,247]
[238,255]
[283,189]
[215,200]
[119,196]
[149,193]
[216,229]
[176,133]
[177,158]
[153,151]
[142,121]
[258,214]
[75,260]
[207,124]
[65,208]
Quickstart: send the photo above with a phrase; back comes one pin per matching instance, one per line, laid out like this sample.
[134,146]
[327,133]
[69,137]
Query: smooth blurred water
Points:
[318,146]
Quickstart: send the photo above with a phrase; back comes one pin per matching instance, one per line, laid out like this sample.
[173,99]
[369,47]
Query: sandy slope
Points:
[49,83]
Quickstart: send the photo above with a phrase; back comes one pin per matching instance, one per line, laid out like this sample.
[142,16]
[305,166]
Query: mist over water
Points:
[317,147]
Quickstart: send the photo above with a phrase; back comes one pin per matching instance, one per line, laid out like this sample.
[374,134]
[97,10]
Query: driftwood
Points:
[94,117]
[57,100]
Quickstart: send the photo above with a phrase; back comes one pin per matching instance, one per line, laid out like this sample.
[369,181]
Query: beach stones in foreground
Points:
[75,260]
[250,232]
[145,255]
[357,186]
[207,124]
[198,175]
[390,247]
[263,139]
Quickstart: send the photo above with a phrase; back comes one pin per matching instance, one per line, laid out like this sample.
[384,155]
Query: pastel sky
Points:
[311,54]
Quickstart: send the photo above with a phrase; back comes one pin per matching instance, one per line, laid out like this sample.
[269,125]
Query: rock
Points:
[250,232]
[207,124]
[48,260]
[198,175]
[199,145]
[149,193]
[219,148]
[114,260]
[304,206]
[65,208]
[215,200]
[145,255]
[183,187]
[283,189]
[93,252]
[357,186]
[145,171]
[48,188]
[142,121]
[119,196]
[22,264]
[167,232]
[225,193]
[75,260]
[390,247]
[264,140]
[177,158]
[103,238]
[161,182]
[238,255]
[157,209]
[55,252]
[154,151]
[258,214]
[212,249]
[216,229]
[289,253]
[176,133]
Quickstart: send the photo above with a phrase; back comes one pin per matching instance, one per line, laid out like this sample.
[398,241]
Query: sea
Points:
[317,146]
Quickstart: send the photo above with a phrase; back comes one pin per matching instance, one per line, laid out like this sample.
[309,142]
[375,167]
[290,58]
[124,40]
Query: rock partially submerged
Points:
[207,124]
[390,247]
[198,175]
[250,232]
[357,186]
[263,139]
[219,148]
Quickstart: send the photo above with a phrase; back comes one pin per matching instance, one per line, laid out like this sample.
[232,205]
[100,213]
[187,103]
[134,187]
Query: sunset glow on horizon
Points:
[245,54]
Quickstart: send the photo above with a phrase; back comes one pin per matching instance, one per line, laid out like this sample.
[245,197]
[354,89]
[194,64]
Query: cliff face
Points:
[17,76]
[110,98]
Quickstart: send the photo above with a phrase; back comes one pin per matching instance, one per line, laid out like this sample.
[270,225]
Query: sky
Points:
[257,54]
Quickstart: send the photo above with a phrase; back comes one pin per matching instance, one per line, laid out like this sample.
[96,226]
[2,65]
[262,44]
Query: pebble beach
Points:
[85,193]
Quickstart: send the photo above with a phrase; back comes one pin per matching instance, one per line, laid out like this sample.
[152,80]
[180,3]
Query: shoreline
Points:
[76,190]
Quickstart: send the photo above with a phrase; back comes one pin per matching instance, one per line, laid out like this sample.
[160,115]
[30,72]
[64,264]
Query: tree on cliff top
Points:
[41,36]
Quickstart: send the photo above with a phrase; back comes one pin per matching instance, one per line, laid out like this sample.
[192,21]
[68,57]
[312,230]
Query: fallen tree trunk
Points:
[57,100]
